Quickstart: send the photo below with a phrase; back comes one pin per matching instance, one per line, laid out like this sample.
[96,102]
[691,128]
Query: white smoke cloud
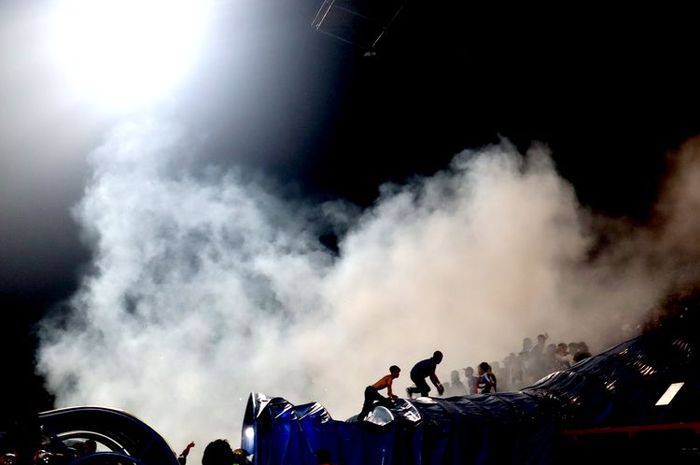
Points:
[206,287]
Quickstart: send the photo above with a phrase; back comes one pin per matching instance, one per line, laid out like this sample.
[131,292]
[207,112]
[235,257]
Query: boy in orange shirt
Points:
[372,392]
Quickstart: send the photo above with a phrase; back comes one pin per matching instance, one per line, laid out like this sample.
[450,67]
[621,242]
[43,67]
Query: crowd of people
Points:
[516,371]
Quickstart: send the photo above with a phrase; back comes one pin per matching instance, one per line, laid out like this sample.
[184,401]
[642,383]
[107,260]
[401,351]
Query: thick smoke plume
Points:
[206,286]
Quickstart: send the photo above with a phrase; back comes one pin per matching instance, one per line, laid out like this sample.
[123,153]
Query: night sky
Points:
[609,91]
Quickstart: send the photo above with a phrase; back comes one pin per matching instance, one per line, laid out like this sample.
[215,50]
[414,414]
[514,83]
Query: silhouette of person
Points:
[218,452]
[472,381]
[487,380]
[372,394]
[422,370]
[457,387]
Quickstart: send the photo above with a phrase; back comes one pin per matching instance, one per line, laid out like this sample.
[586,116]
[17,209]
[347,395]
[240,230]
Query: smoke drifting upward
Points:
[207,287]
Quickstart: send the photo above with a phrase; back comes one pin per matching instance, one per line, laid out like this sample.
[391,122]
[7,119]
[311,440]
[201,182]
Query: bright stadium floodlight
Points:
[126,53]
[670,393]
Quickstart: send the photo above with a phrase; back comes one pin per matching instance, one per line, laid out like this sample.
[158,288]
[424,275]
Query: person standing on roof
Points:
[472,381]
[456,387]
[372,394]
[487,380]
[424,369]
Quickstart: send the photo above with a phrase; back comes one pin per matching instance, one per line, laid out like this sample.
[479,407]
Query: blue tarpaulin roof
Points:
[618,387]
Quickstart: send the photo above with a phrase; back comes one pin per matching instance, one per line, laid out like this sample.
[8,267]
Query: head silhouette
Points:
[395,371]
[484,368]
[218,453]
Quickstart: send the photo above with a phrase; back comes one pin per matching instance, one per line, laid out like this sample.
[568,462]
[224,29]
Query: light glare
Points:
[670,393]
[126,53]
[249,433]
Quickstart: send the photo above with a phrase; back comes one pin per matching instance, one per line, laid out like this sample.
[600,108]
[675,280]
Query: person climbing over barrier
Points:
[422,370]
[373,396]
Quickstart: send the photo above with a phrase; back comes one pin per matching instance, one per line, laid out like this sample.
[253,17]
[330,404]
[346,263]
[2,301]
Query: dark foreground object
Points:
[88,436]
